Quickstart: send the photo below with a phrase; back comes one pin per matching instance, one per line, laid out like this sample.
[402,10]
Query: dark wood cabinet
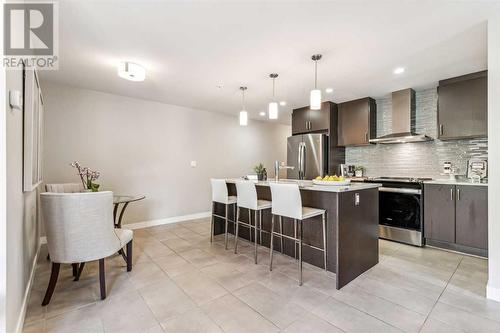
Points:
[357,122]
[456,217]
[439,212]
[462,107]
[305,120]
[300,121]
[472,216]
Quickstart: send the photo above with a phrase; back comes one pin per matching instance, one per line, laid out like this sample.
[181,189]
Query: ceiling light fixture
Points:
[273,106]
[243,112]
[315,96]
[283,103]
[262,113]
[130,71]
[329,90]
[399,70]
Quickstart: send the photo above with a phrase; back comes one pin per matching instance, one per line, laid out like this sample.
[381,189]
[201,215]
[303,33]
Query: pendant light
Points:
[315,97]
[273,106]
[243,112]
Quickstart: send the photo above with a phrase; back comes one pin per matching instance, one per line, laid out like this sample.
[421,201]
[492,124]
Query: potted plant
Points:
[358,171]
[87,176]
[261,172]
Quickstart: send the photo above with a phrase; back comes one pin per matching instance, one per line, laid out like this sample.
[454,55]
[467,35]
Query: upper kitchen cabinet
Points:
[305,120]
[357,122]
[462,107]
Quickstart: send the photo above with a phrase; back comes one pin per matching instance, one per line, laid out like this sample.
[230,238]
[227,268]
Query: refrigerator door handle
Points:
[300,159]
[303,164]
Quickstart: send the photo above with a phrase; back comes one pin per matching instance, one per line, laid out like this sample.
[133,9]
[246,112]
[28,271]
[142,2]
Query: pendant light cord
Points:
[273,88]
[315,74]
[243,99]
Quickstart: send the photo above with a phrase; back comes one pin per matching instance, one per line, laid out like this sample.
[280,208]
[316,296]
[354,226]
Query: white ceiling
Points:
[189,48]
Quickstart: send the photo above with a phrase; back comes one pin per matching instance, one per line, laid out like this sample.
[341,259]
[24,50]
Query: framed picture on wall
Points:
[33,131]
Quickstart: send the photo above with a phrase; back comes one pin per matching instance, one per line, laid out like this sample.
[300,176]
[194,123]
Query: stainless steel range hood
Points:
[403,120]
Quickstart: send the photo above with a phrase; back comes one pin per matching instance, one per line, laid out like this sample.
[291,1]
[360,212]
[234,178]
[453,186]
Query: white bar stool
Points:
[287,202]
[220,195]
[247,198]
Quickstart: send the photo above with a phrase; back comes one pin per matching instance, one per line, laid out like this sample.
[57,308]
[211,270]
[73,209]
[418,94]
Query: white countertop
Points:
[454,182]
[308,185]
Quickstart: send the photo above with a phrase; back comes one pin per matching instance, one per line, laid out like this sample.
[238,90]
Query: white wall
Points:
[145,147]
[22,226]
[493,289]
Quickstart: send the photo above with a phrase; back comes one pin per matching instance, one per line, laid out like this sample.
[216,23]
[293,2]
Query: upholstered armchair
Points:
[80,229]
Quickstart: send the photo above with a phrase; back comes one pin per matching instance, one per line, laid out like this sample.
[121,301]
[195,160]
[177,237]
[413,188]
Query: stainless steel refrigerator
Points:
[308,154]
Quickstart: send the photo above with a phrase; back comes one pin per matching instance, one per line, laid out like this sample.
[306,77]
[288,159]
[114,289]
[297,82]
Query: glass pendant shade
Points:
[315,99]
[273,110]
[243,118]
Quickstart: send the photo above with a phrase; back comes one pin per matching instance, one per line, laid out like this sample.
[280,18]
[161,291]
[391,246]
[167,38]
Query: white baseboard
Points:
[168,220]
[27,293]
[493,293]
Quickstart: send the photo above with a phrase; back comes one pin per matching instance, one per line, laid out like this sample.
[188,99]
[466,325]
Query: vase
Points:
[358,173]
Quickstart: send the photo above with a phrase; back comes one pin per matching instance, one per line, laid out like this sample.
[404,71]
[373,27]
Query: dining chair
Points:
[79,228]
[64,188]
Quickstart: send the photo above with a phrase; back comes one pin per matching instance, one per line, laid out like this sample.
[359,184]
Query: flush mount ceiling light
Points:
[131,71]
[315,96]
[399,70]
[262,113]
[283,103]
[273,106]
[243,112]
[329,90]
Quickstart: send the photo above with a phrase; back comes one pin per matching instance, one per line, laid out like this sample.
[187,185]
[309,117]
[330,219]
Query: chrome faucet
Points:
[278,166]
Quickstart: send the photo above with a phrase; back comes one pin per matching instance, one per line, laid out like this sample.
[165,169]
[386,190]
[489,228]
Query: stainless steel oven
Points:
[401,209]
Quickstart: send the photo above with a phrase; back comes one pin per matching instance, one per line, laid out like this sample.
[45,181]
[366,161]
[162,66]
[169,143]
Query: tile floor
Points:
[182,283]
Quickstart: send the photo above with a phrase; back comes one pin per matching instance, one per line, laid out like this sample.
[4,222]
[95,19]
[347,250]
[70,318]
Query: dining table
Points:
[123,201]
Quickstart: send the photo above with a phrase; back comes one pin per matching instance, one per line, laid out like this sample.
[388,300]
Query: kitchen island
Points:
[352,226]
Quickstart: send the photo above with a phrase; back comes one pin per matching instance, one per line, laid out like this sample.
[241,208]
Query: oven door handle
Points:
[400,190]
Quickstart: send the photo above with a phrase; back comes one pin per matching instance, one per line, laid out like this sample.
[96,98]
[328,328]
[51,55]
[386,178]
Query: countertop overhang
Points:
[309,186]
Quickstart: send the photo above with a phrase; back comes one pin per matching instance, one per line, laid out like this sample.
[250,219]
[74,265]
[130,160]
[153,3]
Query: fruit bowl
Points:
[344,182]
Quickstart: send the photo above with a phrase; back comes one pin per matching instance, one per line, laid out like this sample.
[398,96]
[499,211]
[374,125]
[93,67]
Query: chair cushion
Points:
[308,212]
[125,236]
[263,204]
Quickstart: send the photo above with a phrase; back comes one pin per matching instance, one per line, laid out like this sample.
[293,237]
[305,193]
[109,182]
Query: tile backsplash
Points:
[421,159]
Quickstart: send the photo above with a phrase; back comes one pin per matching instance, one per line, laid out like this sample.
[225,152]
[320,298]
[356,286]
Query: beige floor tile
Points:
[67,299]
[34,327]
[272,306]
[463,320]
[165,299]
[34,310]
[126,313]
[164,234]
[391,292]
[227,276]
[200,287]
[391,313]
[350,319]
[310,323]
[82,320]
[174,265]
[436,326]
[472,303]
[198,257]
[177,244]
[308,298]
[279,283]
[193,321]
[232,315]
[143,274]
[154,248]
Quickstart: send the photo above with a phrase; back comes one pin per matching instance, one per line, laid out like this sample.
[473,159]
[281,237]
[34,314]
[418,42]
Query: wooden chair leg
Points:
[75,269]
[102,278]
[129,256]
[79,273]
[52,283]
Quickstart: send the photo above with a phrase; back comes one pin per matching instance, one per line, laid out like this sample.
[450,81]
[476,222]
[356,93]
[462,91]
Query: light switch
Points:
[193,164]
[356,199]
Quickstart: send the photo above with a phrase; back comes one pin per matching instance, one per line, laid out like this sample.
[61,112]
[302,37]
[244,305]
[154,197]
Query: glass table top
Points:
[118,199]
